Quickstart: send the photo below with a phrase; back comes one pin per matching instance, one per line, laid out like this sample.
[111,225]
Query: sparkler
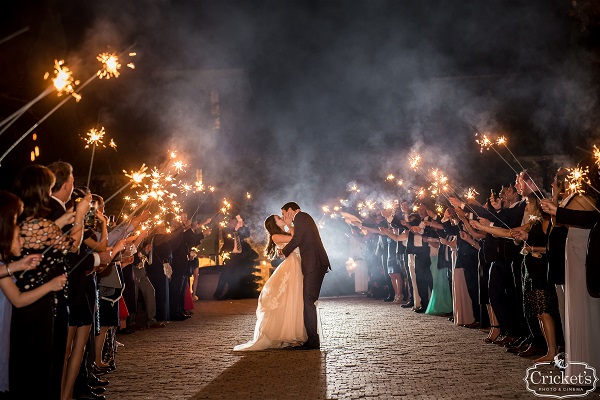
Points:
[414,161]
[597,155]
[179,165]
[63,80]
[136,178]
[94,139]
[577,177]
[487,143]
[64,84]
[471,193]
[110,66]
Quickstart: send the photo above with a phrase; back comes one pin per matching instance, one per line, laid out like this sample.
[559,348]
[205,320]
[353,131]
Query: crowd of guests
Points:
[70,281]
[523,267]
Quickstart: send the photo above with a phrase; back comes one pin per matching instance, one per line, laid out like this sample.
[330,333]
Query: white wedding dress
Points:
[280,311]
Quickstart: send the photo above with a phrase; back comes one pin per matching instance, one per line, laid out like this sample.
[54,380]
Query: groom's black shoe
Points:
[307,346]
[410,304]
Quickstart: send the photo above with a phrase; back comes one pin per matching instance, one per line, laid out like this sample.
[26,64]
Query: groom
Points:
[314,262]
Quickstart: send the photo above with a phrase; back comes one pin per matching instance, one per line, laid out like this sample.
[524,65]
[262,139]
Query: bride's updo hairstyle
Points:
[273,229]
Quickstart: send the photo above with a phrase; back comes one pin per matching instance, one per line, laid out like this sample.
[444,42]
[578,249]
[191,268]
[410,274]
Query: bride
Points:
[280,311]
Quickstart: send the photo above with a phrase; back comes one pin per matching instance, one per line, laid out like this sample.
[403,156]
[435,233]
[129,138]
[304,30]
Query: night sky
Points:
[313,95]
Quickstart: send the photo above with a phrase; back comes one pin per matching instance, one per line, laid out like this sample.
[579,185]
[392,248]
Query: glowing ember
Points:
[248,195]
[390,177]
[400,182]
[597,155]
[113,144]
[110,66]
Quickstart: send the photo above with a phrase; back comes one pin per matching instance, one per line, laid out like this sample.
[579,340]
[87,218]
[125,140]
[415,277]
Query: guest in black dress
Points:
[39,331]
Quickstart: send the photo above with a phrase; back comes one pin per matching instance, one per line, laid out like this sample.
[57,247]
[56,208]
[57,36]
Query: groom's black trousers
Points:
[312,287]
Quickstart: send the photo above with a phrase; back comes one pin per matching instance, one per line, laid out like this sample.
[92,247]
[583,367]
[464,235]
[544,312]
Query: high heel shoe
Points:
[101,370]
[491,339]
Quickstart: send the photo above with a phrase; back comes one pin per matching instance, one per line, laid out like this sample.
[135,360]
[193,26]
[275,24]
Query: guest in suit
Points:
[237,279]
[192,236]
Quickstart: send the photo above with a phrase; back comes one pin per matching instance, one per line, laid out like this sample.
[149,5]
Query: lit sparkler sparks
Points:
[95,137]
[110,66]
[137,176]
[63,80]
[248,195]
[577,177]
[485,143]
[390,177]
[471,193]
[113,144]
[501,140]
[179,165]
[414,161]
[597,155]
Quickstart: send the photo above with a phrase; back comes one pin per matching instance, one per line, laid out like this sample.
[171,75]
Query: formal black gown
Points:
[39,331]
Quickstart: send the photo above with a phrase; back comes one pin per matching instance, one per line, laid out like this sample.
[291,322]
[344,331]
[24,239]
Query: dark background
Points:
[312,95]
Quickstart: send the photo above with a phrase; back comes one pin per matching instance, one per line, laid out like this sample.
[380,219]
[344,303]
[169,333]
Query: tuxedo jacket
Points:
[181,253]
[308,240]
[586,219]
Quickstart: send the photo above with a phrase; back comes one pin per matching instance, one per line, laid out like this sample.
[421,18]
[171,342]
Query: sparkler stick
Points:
[136,178]
[45,117]
[489,144]
[91,164]
[502,141]
[14,35]
[14,116]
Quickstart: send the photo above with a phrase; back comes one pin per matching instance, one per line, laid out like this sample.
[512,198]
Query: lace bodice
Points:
[41,233]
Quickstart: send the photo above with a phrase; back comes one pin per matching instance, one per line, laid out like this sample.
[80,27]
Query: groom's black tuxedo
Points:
[315,263]
[307,239]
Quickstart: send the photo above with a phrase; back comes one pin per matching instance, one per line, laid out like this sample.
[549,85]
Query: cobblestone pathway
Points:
[371,349]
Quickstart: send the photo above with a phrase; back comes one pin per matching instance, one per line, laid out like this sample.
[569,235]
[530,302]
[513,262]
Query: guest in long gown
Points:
[581,310]
[39,331]
[10,246]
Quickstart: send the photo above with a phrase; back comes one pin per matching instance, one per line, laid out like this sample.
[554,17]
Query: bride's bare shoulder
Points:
[280,239]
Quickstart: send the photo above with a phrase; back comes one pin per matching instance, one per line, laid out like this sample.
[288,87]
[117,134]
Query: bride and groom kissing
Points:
[286,312]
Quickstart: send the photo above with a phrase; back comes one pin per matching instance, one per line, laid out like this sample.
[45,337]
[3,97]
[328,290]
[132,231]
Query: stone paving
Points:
[371,349]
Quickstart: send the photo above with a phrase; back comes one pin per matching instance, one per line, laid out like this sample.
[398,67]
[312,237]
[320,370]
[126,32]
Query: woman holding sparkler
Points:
[39,331]
[581,310]
[280,311]
[10,245]
[539,296]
